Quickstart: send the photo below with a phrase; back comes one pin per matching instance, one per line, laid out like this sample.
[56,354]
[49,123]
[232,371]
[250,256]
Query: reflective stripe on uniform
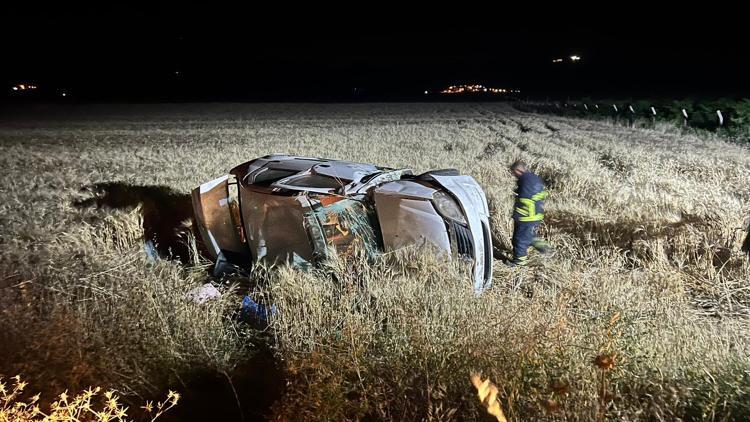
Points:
[539,243]
[528,204]
[535,217]
[540,196]
[528,210]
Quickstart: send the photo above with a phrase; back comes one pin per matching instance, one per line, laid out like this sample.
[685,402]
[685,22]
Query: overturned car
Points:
[282,208]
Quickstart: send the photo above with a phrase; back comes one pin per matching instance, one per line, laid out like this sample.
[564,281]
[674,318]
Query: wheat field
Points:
[642,313]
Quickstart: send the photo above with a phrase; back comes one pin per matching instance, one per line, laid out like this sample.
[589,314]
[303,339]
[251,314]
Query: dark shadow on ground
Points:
[258,383]
[167,215]
[502,248]
[168,219]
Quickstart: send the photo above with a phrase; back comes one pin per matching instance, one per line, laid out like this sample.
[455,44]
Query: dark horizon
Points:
[115,57]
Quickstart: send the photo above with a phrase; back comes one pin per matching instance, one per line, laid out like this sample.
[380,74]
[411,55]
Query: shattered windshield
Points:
[348,225]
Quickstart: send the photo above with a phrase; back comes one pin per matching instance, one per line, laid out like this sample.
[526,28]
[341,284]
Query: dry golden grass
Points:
[641,314]
[487,393]
[89,405]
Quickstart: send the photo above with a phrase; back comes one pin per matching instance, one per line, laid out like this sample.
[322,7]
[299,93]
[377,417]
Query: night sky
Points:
[253,55]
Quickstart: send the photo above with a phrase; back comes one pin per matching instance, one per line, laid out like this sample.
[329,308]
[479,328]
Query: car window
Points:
[269,176]
[317,181]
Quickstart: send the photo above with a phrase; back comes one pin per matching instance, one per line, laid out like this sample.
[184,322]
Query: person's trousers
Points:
[524,236]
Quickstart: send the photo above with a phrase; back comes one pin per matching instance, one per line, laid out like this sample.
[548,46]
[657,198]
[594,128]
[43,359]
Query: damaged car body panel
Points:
[275,227]
[217,212]
[407,217]
[297,210]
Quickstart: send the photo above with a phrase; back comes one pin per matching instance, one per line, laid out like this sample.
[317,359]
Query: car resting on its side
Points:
[282,208]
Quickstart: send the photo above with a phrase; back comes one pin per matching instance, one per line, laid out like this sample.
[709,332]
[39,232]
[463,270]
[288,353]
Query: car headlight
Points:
[447,207]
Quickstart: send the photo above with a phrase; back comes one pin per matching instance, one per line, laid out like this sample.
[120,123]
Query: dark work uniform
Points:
[528,212]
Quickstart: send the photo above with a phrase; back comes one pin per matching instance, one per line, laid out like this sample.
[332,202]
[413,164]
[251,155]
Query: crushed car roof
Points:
[312,174]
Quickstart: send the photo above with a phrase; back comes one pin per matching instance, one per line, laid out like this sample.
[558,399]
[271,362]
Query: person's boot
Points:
[519,261]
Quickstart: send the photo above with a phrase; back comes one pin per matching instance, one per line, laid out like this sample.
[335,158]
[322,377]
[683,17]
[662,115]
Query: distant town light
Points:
[557,60]
[426,92]
[64,94]
[575,58]
[23,87]
[474,89]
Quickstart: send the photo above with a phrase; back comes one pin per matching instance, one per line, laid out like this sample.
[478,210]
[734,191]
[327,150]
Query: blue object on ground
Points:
[252,310]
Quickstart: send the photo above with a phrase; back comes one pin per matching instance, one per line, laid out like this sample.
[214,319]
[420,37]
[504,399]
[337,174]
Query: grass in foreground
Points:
[89,405]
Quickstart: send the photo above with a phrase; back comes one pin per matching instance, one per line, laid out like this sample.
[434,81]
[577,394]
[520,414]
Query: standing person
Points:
[528,212]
